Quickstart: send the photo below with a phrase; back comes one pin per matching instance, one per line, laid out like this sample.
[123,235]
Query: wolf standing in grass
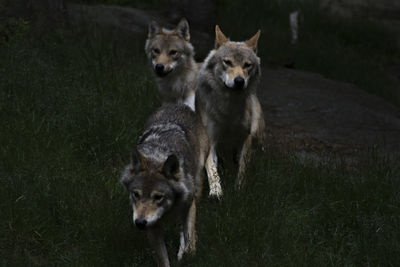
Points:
[164,177]
[172,59]
[227,102]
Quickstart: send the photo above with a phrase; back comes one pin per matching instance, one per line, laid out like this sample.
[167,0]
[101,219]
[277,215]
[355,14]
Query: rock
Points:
[132,22]
[384,9]
[309,114]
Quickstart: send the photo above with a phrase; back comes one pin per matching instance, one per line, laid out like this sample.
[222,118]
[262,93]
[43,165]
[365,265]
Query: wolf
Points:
[164,177]
[227,102]
[172,59]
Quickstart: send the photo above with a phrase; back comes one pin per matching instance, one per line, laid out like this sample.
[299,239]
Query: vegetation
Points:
[71,107]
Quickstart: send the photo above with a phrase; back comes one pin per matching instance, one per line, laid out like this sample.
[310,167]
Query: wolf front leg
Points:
[156,240]
[244,158]
[189,100]
[212,174]
[188,235]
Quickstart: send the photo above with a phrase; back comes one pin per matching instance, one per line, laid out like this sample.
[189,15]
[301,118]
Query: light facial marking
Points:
[151,218]
[173,65]
[227,80]
[155,216]
[228,76]
[167,67]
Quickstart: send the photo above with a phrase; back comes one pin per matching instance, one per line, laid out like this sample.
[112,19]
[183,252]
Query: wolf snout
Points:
[159,68]
[239,82]
[140,223]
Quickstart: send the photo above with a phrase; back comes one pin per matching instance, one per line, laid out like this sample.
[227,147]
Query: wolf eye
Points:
[158,197]
[136,195]
[173,52]
[156,51]
[228,62]
[247,65]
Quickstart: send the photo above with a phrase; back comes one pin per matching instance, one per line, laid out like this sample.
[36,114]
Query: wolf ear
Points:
[183,29]
[154,29]
[220,38]
[127,177]
[252,42]
[171,168]
[138,161]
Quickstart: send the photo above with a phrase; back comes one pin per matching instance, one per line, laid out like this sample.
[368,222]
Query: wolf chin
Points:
[172,60]
[227,102]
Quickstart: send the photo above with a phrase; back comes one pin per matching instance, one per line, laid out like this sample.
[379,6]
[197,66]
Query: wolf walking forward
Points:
[227,102]
[172,58]
[165,175]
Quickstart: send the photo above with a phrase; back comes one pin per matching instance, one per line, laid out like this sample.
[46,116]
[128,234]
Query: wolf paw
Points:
[183,247]
[181,252]
[216,191]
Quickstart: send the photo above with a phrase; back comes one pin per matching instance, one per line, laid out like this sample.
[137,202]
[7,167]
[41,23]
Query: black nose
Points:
[239,82]
[159,68]
[140,223]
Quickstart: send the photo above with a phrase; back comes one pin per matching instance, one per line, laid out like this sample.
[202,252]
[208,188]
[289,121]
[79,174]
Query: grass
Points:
[72,106]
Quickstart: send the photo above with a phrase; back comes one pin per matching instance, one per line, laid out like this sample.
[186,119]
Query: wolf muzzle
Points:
[160,70]
[140,223]
[238,82]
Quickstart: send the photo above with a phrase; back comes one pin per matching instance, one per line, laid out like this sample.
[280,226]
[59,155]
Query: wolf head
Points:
[152,189]
[168,49]
[234,64]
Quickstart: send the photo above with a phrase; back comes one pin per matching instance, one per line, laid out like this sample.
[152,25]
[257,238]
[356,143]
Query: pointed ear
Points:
[138,161]
[154,29]
[220,38]
[252,42]
[171,168]
[183,29]
[127,176]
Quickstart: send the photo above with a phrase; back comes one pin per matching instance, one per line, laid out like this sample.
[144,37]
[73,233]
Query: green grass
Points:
[71,108]
[71,111]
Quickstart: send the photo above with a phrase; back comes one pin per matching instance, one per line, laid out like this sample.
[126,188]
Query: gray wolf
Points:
[227,102]
[172,59]
[163,179]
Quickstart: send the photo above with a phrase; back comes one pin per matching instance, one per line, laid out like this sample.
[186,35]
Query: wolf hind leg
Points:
[257,123]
